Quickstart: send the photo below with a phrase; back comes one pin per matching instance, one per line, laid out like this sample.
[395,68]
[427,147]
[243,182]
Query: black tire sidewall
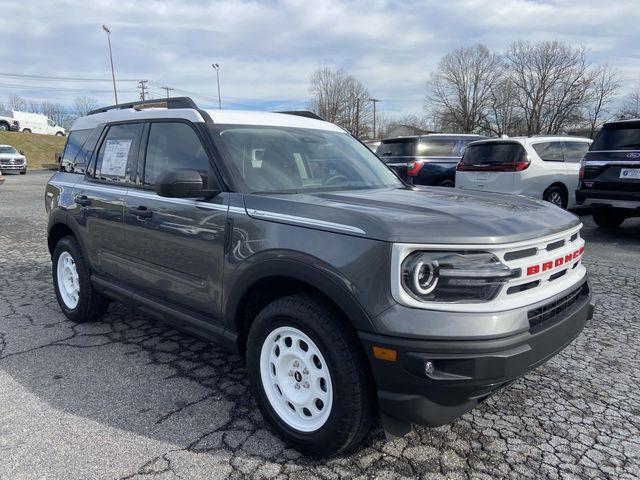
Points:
[563,196]
[80,312]
[322,441]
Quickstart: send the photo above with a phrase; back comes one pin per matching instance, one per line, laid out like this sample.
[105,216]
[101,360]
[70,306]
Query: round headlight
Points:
[424,277]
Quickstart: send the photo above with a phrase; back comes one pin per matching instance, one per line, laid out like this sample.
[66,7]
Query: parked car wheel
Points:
[556,195]
[4,127]
[448,183]
[23,172]
[59,134]
[607,218]
[26,130]
[310,380]
[71,279]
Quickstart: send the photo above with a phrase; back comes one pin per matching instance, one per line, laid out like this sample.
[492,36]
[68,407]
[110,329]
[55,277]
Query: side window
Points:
[574,152]
[118,153]
[78,150]
[50,122]
[549,151]
[172,146]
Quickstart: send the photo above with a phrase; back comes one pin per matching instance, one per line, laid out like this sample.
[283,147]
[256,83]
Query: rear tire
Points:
[59,134]
[4,127]
[448,183]
[26,130]
[556,195]
[607,218]
[72,283]
[328,366]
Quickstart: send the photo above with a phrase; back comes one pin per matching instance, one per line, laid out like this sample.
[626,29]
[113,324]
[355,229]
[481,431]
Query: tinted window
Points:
[297,159]
[118,153]
[397,148]
[574,152]
[617,138]
[8,150]
[493,153]
[549,151]
[172,146]
[77,152]
[438,147]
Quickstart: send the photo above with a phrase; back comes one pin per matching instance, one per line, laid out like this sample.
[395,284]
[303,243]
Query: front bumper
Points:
[465,372]
[11,167]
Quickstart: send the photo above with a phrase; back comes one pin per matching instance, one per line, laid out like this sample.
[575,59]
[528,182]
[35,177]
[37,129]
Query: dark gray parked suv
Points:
[350,294]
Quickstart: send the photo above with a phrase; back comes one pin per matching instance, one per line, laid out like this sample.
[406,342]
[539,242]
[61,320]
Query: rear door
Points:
[176,245]
[491,166]
[99,198]
[613,161]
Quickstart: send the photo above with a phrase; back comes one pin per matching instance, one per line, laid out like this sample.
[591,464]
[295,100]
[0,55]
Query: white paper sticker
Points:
[114,160]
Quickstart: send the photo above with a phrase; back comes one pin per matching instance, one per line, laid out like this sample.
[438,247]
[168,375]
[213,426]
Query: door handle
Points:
[82,200]
[141,211]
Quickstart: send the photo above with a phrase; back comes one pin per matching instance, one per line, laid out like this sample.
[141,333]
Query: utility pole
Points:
[113,73]
[216,67]
[374,100]
[142,85]
[167,89]
[358,117]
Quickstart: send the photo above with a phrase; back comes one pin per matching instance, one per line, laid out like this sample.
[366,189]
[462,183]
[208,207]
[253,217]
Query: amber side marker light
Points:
[385,354]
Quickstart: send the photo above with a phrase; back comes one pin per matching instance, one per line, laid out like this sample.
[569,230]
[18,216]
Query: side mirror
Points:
[182,183]
[21,152]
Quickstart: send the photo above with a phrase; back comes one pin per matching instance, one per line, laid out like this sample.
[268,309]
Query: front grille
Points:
[541,315]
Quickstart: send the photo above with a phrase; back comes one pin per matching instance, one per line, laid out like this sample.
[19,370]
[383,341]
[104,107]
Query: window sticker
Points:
[114,161]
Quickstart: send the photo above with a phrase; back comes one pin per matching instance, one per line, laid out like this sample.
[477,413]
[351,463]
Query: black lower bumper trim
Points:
[463,374]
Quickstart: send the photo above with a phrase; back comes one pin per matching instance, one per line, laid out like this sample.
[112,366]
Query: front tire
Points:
[607,218]
[72,283]
[59,134]
[26,130]
[310,379]
[447,183]
[23,172]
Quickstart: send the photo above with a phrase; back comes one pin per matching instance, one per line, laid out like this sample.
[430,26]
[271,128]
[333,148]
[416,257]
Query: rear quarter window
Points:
[70,158]
[549,151]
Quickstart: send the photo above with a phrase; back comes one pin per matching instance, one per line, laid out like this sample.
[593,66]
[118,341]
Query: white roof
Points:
[234,117]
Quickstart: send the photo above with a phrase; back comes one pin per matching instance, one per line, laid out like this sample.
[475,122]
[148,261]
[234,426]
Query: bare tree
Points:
[17,103]
[503,117]
[83,105]
[341,98]
[552,84]
[631,105]
[54,111]
[459,90]
[603,88]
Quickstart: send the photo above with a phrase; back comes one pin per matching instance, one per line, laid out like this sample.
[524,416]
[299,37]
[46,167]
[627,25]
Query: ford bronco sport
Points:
[352,295]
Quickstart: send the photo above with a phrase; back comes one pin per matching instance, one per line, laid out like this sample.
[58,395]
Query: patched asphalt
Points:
[128,397]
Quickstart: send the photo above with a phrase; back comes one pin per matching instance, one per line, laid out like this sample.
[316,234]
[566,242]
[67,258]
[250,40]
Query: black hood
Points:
[417,215]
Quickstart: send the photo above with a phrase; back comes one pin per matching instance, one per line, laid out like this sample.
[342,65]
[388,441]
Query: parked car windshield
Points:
[493,153]
[617,138]
[7,150]
[286,159]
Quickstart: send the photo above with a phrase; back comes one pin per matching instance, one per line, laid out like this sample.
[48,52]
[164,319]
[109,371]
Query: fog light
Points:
[429,369]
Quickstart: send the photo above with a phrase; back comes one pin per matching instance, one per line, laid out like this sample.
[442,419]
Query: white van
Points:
[543,167]
[37,123]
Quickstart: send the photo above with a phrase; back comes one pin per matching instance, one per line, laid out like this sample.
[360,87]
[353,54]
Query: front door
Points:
[176,245]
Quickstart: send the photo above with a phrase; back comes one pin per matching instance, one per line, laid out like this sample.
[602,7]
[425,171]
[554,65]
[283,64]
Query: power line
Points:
[68,79]
[167,89]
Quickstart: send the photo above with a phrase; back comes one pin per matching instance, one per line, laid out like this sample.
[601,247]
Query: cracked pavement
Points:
[129,397]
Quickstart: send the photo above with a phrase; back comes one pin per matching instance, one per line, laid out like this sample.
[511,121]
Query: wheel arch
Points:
[269,280]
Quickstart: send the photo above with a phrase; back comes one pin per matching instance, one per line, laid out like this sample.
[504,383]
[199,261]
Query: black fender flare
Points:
[59,217]
[310,270]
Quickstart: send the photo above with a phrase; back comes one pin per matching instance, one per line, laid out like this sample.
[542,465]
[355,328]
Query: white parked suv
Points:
[37,123]
[540,167]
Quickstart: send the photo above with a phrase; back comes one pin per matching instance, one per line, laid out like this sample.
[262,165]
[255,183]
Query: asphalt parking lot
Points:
[131,398]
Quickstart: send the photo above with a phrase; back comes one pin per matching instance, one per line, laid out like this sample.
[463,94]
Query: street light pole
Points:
[113,73]
[374,100]
[216,67]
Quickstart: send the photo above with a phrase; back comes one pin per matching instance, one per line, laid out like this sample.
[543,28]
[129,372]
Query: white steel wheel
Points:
[68,280]
[296,379]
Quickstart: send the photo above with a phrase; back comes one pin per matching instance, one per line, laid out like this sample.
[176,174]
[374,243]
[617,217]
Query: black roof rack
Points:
[170,103]
[303,113]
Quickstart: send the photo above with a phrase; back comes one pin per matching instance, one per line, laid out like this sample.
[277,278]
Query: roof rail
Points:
[170,103]
[303,113]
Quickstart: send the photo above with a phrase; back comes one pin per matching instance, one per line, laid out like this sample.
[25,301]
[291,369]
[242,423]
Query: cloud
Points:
[268,50]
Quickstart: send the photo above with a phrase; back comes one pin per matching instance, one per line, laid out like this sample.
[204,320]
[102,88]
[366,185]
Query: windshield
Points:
[286,159]
[617,138]
[8,150]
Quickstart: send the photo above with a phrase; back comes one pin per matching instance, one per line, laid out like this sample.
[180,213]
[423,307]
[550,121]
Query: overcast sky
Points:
[267,50]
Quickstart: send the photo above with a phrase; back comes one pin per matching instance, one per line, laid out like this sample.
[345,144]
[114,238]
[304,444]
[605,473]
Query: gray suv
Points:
[352,295]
